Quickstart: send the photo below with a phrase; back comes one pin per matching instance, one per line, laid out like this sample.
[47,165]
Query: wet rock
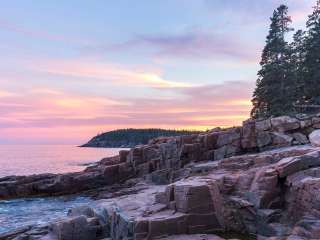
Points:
[81,211]
[15,233]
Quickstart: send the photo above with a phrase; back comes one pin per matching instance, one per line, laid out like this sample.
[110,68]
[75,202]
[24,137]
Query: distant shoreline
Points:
[129,138]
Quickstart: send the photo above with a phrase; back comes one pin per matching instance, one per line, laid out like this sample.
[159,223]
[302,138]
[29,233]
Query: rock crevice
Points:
[261,179]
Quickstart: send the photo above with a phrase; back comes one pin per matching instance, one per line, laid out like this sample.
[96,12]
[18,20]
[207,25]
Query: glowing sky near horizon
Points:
[72,69]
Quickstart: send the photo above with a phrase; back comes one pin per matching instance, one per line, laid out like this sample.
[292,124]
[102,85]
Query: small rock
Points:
[81,210]
[300,138]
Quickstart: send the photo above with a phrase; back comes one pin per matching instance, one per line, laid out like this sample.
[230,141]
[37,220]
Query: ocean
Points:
[37,159]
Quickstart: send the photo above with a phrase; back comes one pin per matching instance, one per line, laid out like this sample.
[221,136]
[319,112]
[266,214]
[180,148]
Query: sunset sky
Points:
[72,69]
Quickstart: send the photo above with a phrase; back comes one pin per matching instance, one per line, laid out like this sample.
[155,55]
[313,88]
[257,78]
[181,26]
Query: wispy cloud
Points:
[112,73]
[192,107]
[7,94]
[190,44]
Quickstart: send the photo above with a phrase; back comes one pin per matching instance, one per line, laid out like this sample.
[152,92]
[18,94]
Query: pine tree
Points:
[312,58]
[271,96]
[298,56]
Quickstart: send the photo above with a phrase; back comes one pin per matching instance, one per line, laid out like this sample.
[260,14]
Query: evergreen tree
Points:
[131,137]
[298,56]
[271,96]
[312,58]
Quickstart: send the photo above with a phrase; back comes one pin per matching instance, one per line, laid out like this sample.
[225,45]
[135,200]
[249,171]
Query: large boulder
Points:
[248,135]
[79,228]
[303,194]
[264,189]
[263,125]
[228,137]
[210,140]
[291,165]
[263,139]
[226,151]
[193,197]
[135,156]
[281,140]
[314,138]
[190,152]
[285,123]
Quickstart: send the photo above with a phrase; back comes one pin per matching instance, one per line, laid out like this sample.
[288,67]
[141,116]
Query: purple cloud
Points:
[193,44]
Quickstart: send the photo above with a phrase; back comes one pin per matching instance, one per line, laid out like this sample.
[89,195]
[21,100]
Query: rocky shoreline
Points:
[260,181]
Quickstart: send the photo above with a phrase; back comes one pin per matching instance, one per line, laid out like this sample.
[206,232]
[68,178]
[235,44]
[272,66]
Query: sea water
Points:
[18,213]
[37,159]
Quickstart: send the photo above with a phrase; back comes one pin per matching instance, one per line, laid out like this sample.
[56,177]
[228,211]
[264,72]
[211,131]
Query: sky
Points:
[72,69]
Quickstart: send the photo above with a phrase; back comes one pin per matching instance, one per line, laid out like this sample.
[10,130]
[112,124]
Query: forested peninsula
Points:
[131,137]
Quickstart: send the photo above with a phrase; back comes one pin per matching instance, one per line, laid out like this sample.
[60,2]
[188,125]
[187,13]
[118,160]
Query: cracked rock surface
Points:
[258,181]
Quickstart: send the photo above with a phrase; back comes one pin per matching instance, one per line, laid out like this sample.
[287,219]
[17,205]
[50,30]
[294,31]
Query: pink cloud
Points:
[56,113]
[104,72]
[6,94]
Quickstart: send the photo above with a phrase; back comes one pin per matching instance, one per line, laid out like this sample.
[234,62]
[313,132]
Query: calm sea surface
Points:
[34,159]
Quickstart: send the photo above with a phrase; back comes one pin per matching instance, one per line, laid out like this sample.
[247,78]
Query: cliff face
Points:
[262,178]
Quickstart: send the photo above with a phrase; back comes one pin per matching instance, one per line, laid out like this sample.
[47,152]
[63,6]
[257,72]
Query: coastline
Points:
[244,179]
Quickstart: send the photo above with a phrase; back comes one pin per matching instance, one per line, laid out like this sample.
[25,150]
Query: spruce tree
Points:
[312,58]
[298,56]
[271,96]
